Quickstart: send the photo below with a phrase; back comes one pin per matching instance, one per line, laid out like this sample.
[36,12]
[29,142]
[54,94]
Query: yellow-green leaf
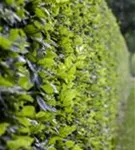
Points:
[20,142]
[48,88]
[3,128]
[28,111]
[5,82]
[5,43]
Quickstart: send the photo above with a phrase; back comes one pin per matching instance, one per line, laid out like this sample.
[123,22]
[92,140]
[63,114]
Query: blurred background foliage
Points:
[124,10]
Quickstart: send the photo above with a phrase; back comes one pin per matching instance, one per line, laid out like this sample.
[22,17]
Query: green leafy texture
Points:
[28,111]
[3,128]
[20,142]
[63,68]
[5,43]
[25,97]
[76,147]
[48,88]
[23,82]
[65,131]
[70,144]
[5,82]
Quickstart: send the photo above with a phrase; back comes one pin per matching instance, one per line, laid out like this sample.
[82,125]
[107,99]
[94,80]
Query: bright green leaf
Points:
[69,143]
[5,43]
[20,142]
[48,88]
[28,111]
[5,82]
[24,82]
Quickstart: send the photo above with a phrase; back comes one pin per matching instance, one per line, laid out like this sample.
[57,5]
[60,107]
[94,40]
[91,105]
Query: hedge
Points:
[132,65]
[59,75]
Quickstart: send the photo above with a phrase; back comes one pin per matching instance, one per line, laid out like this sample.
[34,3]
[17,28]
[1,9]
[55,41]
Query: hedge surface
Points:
[132,65]
[58,75]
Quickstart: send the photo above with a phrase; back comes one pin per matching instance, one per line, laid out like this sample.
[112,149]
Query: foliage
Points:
[124,11]
[58,74]
[125,139]
[132,65]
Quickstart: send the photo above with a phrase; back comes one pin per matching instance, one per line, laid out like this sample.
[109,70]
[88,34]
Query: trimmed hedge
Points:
[132,65]
[58,75]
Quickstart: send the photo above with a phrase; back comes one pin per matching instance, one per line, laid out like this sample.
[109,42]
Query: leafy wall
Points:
[58,74]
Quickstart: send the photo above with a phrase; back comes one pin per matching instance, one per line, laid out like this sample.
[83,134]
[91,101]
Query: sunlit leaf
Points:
[20,142]
[28,111]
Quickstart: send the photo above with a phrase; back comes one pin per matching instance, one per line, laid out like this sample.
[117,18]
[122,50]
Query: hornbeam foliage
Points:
[59,62]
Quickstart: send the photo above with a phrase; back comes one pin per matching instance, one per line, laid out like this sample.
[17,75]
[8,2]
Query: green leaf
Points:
[69,143]
[20,142]
[53,140]
[14,34]
[24,82]
[47,62]
[38,25]
[24,130]
[71,73]
[44,116]
[5,43]
[38,128]
[67,97]
[5,82]
[62,1]
[25,97]
[48,88]
[68,62]
[65,131]
[28,111]
[9,2]
[24,121]
[78,40]
[39,13]
[50,54]
[3,128]
[31,29]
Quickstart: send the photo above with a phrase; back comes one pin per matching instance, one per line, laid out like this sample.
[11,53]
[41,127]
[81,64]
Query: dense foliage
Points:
[58,74]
